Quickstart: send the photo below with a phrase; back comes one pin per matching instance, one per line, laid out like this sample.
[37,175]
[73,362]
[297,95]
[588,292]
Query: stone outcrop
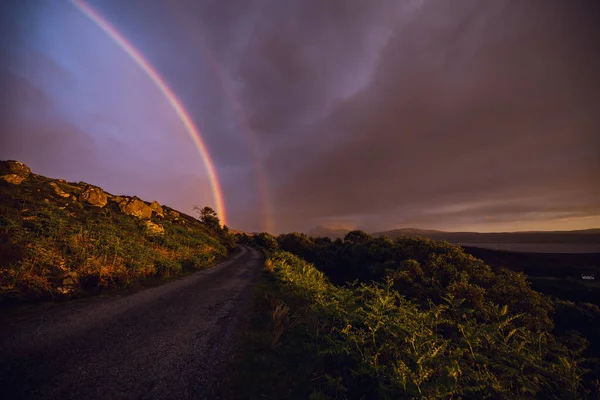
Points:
[153,229]
[157,209]
[70,283]
[13,178]
[135,207]
[14,167]
[58,190]
[94,196]
[14,172]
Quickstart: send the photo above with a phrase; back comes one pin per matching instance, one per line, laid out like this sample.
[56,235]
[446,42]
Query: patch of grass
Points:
[56,247]
[268,365]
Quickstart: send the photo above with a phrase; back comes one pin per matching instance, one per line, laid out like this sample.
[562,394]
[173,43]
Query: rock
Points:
[74,188]
[13,178]
[70,279]
[174,214]
[14,167]
[94,196]
[153,229]
[157,209]
[135,207]
[70,282]
[58,190]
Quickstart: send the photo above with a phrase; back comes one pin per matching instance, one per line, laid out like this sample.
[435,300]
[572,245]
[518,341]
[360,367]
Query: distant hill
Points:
[64,239]
[334,233]
[577,241]
[591,236]
[577,236]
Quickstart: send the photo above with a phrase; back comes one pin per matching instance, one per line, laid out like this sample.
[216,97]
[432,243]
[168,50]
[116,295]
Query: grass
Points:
[56,247]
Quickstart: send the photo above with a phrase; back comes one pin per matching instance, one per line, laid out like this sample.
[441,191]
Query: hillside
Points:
[591,236]
[370,317]
[62,239]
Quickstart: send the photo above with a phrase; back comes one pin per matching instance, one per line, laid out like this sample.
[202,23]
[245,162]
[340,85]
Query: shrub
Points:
[367,340]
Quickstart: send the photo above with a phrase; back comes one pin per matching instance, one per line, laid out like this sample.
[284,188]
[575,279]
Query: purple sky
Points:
[462,115]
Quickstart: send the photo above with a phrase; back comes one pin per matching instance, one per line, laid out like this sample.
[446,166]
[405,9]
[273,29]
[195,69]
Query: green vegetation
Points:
[558,275]
[54,244]
[411,317]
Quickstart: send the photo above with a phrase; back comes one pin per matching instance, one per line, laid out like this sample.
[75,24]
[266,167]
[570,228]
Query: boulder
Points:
[157,209]
[135,207]
[14,167]
[153,229]
[58,190]
[13,178]
[94,196]
[70,279]
[70,283]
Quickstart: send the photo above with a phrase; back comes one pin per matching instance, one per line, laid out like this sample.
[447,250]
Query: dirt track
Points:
[167,342]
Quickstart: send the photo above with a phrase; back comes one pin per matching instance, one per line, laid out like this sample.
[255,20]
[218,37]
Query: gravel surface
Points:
[168,342]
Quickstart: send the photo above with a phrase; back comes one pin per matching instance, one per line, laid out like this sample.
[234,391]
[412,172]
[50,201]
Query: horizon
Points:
[446,231]
[308,232]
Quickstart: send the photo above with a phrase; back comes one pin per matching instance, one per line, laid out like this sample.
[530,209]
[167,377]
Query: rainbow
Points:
[183,115]
[240,117]
[251,139]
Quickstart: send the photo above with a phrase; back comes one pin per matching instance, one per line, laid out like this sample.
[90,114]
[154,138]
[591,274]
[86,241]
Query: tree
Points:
[266,241]
[208,216]
[357,236]
[295,242]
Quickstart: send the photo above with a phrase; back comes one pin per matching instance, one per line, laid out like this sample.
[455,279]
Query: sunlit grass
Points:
[55,246]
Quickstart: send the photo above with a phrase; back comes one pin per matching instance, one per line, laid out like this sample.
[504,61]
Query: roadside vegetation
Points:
[56,244]
[407,318]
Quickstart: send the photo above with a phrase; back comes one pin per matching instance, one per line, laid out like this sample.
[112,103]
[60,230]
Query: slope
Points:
[63,239]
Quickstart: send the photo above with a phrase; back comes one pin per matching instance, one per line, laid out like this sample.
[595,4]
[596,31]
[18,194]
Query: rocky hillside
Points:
[62,239]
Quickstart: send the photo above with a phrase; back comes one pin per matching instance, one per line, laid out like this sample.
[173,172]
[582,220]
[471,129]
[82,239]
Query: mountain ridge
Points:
[581,235]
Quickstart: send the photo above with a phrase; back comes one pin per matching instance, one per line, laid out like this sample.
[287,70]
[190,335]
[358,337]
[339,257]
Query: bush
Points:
[367,340]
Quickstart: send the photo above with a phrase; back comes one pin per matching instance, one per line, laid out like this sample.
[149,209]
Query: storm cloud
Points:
[384,114]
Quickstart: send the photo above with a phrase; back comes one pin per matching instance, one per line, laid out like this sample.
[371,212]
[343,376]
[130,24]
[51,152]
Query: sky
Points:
[461,115]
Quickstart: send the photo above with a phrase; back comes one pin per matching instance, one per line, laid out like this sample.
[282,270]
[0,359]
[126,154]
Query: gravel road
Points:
[168,342]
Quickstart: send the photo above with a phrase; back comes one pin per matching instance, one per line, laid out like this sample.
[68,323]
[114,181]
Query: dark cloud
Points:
[466,104]
[432,114]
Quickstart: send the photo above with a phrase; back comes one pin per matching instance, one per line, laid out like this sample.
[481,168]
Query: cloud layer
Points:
[431,114]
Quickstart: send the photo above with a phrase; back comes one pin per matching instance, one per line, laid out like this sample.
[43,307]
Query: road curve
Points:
[167,342]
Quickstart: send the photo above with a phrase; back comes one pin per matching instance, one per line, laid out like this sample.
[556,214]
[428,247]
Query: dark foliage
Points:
[377,281]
